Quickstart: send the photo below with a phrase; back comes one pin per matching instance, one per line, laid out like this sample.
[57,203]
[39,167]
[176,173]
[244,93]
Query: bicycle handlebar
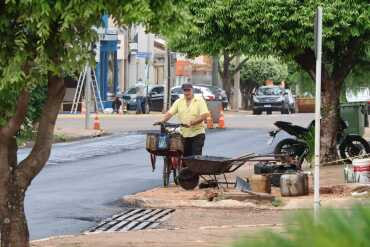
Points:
[171,125]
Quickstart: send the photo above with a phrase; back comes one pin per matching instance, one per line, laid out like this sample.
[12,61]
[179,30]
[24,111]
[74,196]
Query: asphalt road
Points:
[84,180]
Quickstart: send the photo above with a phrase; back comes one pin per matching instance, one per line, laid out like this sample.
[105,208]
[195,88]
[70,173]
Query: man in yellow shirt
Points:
[191,111]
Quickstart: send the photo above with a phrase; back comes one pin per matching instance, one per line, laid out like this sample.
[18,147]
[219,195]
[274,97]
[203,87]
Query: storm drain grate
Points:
[133,219]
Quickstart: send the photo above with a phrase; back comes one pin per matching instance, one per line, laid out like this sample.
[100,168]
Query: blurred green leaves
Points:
[336,228]
[39,38]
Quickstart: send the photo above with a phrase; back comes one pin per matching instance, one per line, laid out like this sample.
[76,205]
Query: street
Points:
[84,180]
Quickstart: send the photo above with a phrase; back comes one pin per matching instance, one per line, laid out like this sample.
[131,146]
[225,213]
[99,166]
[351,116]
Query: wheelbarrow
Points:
[211,166]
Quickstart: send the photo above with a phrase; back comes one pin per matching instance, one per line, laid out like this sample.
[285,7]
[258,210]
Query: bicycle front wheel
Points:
[166,171]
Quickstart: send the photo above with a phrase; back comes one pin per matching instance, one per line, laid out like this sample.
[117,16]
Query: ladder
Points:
[95,91]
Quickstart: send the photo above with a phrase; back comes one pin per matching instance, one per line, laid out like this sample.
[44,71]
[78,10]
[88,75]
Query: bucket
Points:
[361,170]
[295,184]
[260,183]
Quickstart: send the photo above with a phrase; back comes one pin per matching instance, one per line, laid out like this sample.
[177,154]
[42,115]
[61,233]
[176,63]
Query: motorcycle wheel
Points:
[292,147]
[353,146]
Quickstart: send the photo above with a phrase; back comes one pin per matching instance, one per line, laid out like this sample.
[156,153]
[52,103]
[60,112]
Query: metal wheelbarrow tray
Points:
[199,166]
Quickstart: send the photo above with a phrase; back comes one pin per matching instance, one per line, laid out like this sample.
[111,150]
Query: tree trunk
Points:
[15,178]
[330,120]
[14,230]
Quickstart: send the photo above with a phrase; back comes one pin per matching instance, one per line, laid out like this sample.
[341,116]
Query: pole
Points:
[168,78]
[318,112]
[87,96]
[166,73]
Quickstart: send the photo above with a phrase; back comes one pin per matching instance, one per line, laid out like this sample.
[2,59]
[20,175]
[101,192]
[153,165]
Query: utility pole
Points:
[167,79]
[318,51]
[88,96]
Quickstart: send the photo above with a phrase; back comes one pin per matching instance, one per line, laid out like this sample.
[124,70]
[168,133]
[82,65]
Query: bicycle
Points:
[170,141]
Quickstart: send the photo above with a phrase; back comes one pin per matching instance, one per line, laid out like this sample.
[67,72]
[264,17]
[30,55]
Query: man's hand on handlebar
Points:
[158,123]
[165,124]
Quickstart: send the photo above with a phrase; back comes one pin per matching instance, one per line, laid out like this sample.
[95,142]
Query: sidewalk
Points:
[206,223]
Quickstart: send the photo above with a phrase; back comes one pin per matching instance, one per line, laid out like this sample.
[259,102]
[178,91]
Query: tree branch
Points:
[16,121]
[40,153]
[349,60]
[239,67]
[307,62]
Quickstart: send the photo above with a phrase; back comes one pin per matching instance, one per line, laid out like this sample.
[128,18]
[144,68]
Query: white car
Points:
[176,92]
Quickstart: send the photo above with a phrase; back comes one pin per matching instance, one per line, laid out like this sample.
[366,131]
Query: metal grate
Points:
[133,219]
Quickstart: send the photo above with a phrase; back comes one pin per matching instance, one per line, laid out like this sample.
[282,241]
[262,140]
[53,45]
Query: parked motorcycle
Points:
[349,145]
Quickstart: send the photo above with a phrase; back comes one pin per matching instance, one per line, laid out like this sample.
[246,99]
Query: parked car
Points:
[176,92]
[272,98]
[218,93]
[153,99]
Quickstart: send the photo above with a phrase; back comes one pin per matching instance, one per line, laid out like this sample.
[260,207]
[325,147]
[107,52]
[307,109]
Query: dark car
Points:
[219,94]
[270,98]
[153,99]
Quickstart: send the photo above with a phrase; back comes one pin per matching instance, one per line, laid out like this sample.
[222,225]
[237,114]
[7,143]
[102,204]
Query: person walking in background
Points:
[140,96]
[116,104]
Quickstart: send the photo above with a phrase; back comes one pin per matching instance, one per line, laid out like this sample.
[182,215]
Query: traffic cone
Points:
[96,123]
[221,120]
[209,122]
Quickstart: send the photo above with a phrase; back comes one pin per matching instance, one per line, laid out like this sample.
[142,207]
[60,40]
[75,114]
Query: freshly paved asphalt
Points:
[84,180]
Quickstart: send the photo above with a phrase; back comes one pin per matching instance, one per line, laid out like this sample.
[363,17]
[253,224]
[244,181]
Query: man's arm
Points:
[167,116]
[204,113]
[199,119]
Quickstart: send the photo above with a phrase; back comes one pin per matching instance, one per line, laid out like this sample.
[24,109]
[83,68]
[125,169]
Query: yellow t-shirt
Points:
[186,113]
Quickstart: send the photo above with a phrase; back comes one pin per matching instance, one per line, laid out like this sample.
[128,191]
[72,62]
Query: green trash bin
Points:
[353,115]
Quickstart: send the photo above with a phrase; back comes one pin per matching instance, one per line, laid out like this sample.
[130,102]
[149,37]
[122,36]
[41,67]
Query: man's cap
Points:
[186,86]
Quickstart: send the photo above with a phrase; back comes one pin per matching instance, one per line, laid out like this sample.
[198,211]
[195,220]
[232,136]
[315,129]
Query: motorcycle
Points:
[348,145]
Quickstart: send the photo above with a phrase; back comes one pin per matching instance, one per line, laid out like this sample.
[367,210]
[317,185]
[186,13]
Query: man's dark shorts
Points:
[194,145]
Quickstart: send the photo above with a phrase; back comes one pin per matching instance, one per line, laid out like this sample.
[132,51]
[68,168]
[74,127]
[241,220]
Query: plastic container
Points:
[353,115]
[361,170]
[349,175]
[214,108]
[294,184]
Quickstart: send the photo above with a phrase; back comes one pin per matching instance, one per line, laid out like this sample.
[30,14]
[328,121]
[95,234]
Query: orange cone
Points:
[96,123]
[209,122]
[221,120]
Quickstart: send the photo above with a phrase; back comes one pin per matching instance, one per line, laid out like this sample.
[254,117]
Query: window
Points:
[158,90]
[269,91]
[132,91]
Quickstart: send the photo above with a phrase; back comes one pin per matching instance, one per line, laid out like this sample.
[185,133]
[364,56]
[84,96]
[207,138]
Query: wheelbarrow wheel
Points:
[187,179]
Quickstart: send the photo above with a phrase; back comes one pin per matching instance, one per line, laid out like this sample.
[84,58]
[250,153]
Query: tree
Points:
[285,28]
[41,43]
[212,30]
[259,69]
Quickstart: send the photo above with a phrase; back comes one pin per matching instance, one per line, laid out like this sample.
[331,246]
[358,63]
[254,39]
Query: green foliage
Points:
[309,138]
[260,69]
[42,38]
[299,79]
[337,228]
